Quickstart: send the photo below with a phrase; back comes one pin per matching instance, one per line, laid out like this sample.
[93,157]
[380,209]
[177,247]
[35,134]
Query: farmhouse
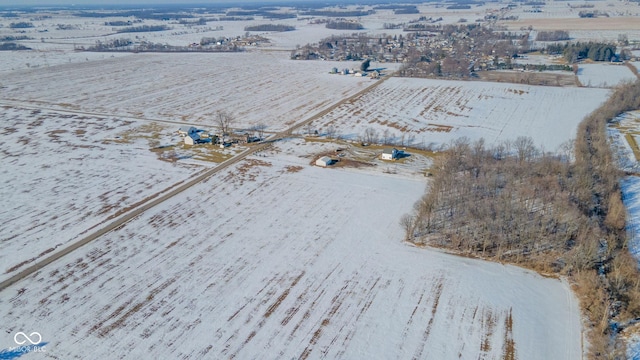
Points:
[324,161]
[389,154]
[186,130]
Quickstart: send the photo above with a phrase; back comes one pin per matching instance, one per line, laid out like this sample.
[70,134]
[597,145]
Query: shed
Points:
[191,139]
[324,161]
[186,130]
[389,154]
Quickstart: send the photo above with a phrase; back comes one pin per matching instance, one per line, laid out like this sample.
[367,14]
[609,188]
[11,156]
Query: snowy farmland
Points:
[271,257]
[266,88]
[604,75]
[438,111]
[74,171]
[288,261]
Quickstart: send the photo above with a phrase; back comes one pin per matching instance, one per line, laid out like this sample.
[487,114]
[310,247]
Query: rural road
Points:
[156,200]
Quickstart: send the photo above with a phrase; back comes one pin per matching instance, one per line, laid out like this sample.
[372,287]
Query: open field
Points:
[265,88]
[438,111]
[74,172]
[270,257]
[604,75]
[268,262]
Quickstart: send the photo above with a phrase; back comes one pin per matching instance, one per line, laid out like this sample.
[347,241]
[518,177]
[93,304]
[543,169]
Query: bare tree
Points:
[406,221]
[525,149]
[331,132]
[224,121]
[370,136]
[308,128]
[258,130]
[385,136]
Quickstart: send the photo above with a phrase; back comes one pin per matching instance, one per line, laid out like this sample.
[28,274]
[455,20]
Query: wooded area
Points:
[557,213]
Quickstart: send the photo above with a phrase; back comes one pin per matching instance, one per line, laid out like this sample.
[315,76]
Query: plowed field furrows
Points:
[267,89]
[268,263]
[438,111]
[64,174]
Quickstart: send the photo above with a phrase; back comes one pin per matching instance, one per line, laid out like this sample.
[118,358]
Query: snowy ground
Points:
[604,75]
[271,258]
[438,111]
[280,260]
[263,88]
[64,174]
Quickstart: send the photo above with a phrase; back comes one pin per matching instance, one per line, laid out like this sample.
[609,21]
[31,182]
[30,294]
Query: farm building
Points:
[389,154]
[191,139]
[324,161]
[186,130]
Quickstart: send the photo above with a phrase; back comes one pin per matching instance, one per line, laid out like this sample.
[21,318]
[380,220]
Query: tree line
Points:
[581,50]
[270,27]
[557,213]
[143,28]
[344,25]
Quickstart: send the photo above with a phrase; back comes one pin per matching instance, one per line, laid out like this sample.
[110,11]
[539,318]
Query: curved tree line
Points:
[558,213]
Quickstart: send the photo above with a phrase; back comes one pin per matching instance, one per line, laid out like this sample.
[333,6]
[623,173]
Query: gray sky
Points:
[126,2]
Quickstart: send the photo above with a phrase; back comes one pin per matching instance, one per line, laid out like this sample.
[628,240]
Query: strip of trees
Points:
[581,50]
[143,28]
[557,213]
[270,27]
[344,25]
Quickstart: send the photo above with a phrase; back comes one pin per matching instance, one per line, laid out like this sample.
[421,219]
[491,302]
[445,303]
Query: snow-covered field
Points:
[271,257]
[631,197]
[278,259]
[604,75]
[438,111]
[255,88]
[63,174]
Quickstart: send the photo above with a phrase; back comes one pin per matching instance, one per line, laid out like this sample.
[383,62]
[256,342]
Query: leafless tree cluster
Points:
[555,213]
[223,121]
[372,136]
[510,202]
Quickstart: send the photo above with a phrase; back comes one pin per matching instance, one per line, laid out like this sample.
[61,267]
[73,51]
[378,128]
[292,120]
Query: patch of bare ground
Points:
[120,321]
[247,171]
[336,303]
[509,349]
[283,296]
[488,325]
[438,128]
[54,134]
[9,130]
[530,78]
[292,168]
[437,291]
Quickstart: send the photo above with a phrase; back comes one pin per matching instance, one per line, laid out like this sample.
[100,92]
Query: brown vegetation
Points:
[515,204]
[530,78]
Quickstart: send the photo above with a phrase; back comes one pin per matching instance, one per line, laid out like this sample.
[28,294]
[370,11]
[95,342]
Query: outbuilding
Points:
[191,139]
[389,154]
[324,161]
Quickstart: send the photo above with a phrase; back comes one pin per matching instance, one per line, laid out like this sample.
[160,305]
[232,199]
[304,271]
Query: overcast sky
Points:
[132,2]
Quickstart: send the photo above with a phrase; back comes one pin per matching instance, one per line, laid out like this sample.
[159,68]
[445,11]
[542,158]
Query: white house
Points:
[389,154]
[186,130]
[324,161]
[191,139]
